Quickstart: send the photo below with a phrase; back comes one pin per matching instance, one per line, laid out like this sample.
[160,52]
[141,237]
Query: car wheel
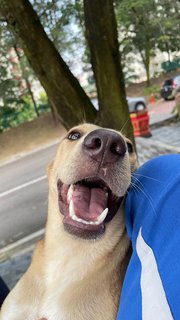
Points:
[140,106]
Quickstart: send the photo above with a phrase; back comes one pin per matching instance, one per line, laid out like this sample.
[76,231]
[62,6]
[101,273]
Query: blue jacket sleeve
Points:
[151,287]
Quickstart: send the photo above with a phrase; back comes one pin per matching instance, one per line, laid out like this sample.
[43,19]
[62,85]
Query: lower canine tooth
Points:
[102,216]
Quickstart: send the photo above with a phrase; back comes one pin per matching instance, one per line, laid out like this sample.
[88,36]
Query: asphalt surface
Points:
[23,195]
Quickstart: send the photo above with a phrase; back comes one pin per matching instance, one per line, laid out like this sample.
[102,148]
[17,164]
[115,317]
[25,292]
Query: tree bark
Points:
[101,32]
[146,62]
[62,88]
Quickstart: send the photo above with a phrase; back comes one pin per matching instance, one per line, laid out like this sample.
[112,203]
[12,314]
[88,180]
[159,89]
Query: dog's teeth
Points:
[71,209]
[75,218]
[102,216]
[70,193]
[73,215]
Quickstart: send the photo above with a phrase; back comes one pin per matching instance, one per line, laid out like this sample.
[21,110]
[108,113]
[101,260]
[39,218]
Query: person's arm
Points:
[3,291]
[151,288]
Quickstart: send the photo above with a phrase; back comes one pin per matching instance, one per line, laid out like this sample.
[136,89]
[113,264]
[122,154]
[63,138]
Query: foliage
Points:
[145,25]
[138,29]
[43,97]
[10,117]
[168,20]
[64,24]
[176,110]
[19,111]
[9,84]
[16,97]
[169,66]
[152,90]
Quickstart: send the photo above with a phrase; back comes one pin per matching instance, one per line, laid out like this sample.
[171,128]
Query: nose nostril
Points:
[97,143]
[94,143]
[118,148]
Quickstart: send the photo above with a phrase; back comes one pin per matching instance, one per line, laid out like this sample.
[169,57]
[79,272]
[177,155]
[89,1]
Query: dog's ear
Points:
[49,167]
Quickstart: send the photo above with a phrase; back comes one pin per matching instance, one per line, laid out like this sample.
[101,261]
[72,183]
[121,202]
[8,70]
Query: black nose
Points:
[104,145]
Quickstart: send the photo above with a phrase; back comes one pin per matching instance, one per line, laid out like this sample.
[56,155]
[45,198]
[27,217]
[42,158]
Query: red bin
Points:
[140,122]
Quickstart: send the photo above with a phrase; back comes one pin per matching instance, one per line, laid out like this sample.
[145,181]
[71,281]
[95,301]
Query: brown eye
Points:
[130,147]
[74,135]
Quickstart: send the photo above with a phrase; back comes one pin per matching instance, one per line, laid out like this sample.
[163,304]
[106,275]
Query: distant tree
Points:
[9,83]
[25,74]
[168,20]
[138,29]
[145,25]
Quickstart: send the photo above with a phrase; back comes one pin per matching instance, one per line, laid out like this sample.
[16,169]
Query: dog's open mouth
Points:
[87,205]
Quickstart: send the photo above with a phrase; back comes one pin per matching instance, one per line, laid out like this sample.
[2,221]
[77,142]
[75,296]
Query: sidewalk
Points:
[165,139]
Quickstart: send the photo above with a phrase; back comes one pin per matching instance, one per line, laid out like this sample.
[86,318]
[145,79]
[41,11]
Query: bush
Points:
[152,90]
[169,66]
[19,111]
[43,98]
[176,110]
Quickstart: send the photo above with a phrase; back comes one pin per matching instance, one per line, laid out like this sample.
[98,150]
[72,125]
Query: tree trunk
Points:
[62,88]
[148,79]
[32,96]
[101,33]
[146,61]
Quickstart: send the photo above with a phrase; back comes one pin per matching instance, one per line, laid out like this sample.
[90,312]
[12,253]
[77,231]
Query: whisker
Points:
[125,125]
[141,175]
[138,188]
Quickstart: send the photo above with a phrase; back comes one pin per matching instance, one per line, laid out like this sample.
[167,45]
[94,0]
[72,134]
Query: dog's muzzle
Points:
[88,204]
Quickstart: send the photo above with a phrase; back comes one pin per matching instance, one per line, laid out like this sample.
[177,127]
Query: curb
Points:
[23,245]
[165,122]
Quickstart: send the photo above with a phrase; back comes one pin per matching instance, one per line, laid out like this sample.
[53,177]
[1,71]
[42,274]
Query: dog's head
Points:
[90,176]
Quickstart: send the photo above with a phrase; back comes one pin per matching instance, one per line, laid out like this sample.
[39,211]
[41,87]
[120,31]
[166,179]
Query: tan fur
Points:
[72,278]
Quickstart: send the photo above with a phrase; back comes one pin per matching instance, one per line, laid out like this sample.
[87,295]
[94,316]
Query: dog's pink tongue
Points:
[89,203]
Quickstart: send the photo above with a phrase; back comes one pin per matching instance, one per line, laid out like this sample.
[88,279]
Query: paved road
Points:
[161,110]
[23,195]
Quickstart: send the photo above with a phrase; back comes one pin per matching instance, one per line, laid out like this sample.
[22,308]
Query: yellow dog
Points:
[78,268]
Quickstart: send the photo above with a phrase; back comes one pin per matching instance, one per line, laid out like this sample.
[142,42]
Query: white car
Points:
[134,104]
